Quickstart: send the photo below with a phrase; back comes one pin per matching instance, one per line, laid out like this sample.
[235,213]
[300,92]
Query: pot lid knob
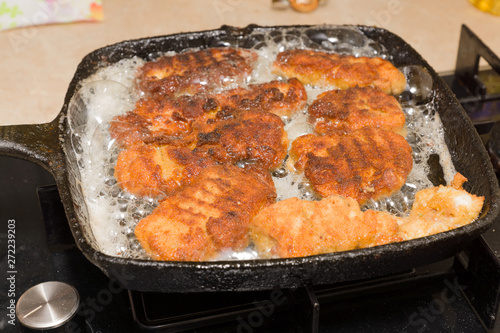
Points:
[47,305]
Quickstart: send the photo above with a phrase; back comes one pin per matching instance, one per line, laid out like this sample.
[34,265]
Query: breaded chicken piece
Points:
[366,164]
[341,71]
[441,208]
[354,108]
[148,170]
[311,144]
[283,98]
[161,121]
[194,71]
[170,120]
[258,137]
[208,216]
[297,228]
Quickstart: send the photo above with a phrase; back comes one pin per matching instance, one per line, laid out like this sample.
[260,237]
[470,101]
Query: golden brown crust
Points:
[311,144]
[170,120]
[161,120]
[366,164]
[457,181]
[181,148]
[441,208]
[342,71]
[156,171]
[258,137]
[354,108]
[130,129]
[297,228]
[283,98]
[196,71]
[209,216]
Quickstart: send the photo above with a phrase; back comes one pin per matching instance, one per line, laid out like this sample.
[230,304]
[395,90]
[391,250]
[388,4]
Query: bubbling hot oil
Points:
[113,213]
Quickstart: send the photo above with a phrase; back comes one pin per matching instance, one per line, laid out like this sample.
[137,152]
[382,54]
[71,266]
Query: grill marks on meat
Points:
[357,153]
[354,108]
[171,120]
[342,71]
[312,144]
[207,217]
[183,137]
[283,98]
[366,164]
[192,72]
[183,147]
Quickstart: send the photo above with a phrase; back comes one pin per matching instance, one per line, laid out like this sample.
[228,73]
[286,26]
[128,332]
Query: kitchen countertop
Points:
[38,62]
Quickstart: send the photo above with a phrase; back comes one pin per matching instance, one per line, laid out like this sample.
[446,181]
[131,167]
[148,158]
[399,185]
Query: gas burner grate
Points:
[264,311]
[478,90]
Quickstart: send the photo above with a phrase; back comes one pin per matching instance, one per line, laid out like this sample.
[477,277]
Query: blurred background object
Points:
[302,6]
[23,13]
[489,6]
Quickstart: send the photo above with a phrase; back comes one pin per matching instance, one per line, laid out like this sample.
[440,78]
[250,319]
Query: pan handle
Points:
[38,143]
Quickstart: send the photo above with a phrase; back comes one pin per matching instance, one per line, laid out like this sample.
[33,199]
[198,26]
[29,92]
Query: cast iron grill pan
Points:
[48,145]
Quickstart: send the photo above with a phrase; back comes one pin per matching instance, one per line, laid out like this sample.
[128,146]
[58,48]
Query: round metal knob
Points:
[47,305]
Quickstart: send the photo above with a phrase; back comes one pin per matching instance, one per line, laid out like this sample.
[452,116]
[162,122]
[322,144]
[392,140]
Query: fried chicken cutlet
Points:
[354,108]
[194,71]
[283,98]
[208,216]
[149,170]
[366,164]
[153,170]
[441,208]
[297,228]
[257,137]
[342,71]
[170,120]
[311,144]
[162,121]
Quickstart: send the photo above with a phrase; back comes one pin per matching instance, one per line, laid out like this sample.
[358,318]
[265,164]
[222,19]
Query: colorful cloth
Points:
[22,13]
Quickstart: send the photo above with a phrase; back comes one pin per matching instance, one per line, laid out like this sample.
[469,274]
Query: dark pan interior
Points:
[466,148]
